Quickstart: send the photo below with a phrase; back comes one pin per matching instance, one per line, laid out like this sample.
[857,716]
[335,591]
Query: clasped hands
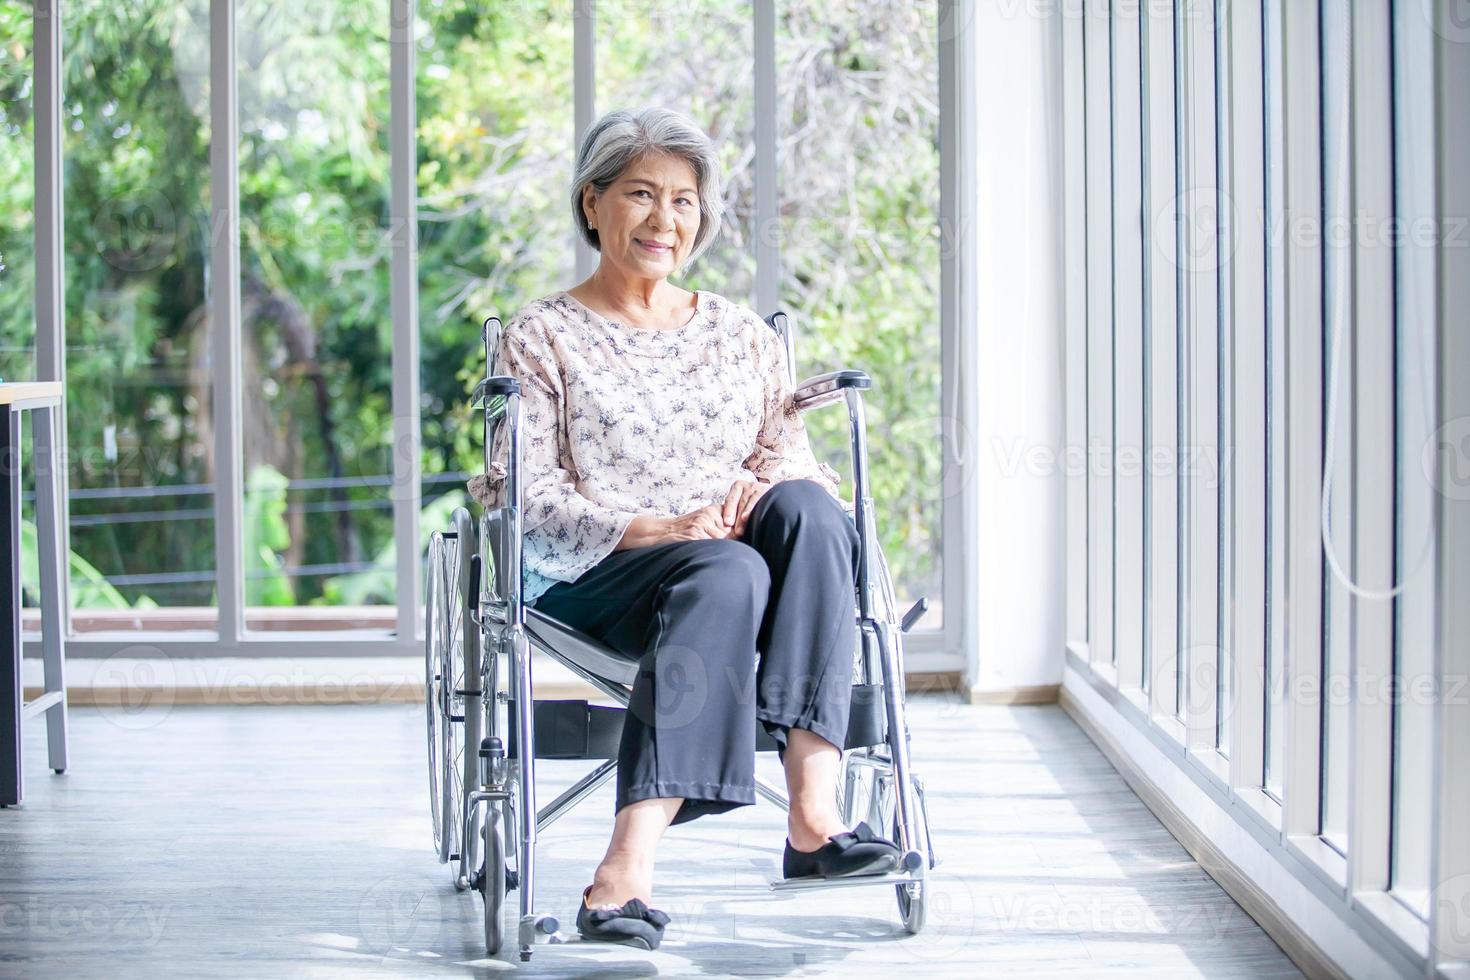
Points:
[723,520]
[726,520]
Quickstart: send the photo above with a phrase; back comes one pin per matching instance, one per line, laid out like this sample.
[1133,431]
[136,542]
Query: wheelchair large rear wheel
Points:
[444,707]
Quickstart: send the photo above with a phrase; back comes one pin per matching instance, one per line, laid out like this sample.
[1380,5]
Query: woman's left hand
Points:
[739,502]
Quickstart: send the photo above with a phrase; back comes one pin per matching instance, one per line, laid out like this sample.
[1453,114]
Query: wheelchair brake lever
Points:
[915,612]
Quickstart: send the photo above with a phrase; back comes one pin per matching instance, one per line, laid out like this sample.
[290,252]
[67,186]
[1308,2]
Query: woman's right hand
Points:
[646,530]
[707,522]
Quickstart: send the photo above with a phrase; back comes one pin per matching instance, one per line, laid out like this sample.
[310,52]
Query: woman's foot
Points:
[852,852]
[614,908]
[631,924]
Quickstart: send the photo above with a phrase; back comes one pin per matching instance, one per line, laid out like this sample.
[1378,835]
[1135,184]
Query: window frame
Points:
[948,649]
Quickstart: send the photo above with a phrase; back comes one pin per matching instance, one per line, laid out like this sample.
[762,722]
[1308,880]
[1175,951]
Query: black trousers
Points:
[726,632]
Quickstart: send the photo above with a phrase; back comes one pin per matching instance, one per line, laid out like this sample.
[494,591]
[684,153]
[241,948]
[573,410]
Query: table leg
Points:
[52,565]
[11,693]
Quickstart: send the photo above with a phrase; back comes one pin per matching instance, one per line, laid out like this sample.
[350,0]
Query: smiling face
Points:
[647,220]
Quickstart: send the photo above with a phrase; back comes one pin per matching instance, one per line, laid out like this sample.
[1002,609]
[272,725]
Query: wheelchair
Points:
[486,731]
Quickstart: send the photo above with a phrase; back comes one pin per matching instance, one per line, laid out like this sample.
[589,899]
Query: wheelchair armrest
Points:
[824,389]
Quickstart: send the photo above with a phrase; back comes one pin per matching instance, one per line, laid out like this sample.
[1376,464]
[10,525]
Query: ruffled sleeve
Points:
[782,450]
[564,532]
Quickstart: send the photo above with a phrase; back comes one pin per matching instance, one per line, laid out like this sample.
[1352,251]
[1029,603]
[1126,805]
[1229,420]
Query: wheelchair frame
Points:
[483,791]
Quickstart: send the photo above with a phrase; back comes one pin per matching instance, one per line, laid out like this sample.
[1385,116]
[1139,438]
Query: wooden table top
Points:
[19,391]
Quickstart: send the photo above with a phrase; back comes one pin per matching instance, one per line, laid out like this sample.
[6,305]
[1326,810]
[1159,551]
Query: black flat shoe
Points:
[635,924]
[854,852]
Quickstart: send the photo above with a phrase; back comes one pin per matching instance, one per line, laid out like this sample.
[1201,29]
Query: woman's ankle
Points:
[807,832]
[617,881]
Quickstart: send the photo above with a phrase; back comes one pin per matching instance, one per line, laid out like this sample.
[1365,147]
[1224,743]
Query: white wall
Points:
[1016,362]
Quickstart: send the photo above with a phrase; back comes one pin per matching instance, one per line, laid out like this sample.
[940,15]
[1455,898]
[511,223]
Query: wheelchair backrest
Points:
[495,546]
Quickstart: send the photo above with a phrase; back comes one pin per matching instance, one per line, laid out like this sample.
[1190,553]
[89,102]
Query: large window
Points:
[315,323]
[135,151]
[495,141]
[694,57]
[858,227]
[17,189]
[858,119]
[384,181]
[17,231]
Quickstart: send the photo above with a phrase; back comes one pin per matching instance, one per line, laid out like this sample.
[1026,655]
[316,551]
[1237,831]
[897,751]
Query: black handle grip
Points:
[502,385]
[475,565]
[917,610]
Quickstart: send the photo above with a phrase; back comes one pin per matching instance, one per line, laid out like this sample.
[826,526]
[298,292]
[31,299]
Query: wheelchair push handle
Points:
[490,388]
[824,389]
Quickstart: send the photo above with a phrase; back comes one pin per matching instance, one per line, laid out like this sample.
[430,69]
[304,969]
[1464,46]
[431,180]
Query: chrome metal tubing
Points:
[574,794]
[856,881]
[771,793]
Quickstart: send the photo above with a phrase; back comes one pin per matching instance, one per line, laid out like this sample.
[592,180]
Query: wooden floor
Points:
[265,841]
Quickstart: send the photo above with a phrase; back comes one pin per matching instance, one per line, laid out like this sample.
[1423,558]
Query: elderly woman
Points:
[673,510]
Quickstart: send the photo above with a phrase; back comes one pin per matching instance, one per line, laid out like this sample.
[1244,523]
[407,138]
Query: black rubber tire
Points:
[492,882]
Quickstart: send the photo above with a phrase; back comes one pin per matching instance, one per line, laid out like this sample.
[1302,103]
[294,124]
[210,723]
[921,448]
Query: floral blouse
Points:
[618,421]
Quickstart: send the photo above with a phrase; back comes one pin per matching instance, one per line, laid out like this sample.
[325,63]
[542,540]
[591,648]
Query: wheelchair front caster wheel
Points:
[493,882]
[911,906]
[913,898]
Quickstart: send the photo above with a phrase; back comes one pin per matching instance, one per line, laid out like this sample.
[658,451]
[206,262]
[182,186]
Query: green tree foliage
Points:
[859,233]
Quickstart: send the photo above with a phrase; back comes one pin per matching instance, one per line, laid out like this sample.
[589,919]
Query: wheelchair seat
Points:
[581,649]
[547,631]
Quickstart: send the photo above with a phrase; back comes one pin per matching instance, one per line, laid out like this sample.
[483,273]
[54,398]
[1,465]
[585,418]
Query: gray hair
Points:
[623,135]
